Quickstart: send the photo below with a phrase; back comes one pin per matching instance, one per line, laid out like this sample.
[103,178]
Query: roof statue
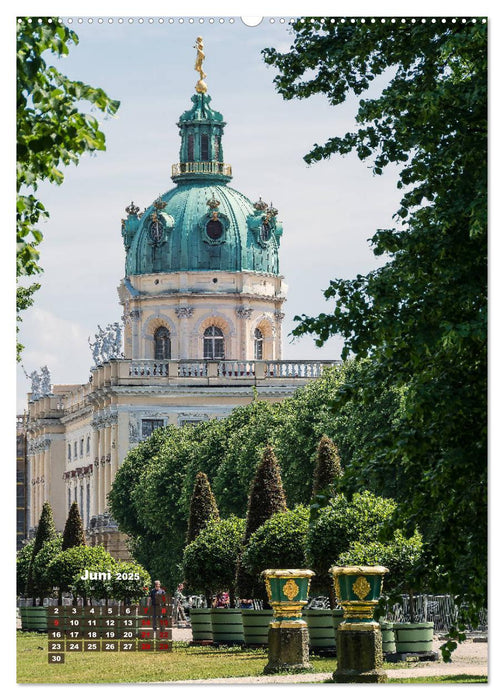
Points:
[200,57]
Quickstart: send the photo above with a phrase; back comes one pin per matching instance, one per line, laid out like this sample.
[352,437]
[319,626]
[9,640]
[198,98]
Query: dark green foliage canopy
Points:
[203,507]
[73,534]
[421,317]
[51,131]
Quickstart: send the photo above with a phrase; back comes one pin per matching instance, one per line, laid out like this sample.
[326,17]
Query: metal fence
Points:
[439,609]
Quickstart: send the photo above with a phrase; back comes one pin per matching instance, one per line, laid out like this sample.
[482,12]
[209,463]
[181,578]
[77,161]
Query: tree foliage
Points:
[51,131]
[422,315]
[73,534]
[151,494]
[203,507]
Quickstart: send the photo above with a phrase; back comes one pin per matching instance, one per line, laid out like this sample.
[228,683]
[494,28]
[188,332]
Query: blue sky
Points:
[329,210]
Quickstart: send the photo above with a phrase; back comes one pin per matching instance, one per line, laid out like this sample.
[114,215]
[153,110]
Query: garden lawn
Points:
[183,663]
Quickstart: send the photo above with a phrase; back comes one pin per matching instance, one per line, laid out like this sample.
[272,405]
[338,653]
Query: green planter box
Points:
[34,619]
[413,637]
[256,624]
[388,638]
[357,590]
[321,629]
[227,626]
[201,625]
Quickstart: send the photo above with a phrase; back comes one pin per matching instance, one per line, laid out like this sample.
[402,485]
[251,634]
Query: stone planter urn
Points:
[358,639]
[288,640]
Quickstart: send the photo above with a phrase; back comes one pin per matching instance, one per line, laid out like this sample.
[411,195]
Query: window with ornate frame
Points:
[213,343]
[258,344]
[162,344]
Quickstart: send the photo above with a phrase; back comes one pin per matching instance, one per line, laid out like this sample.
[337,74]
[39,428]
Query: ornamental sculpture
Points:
[200,57]
[40,383]
[107,344]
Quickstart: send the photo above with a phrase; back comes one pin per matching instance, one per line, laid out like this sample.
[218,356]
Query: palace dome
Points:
[202,223]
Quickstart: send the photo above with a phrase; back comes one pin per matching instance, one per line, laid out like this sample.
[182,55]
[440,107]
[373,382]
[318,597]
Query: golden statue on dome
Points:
[200,57]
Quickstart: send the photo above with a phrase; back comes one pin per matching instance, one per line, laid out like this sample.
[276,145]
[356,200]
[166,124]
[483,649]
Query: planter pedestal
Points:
[288,650]
[360,657]
[288,639]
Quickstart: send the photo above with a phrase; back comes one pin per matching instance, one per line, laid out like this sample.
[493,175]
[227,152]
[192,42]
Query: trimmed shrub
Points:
[402,556]
[209,561]
[73,534]
[339,524]
[278,544]
[328,469]
[203,507]
[67,567]
[45,531]
[23,561]
[266,498]
[50,549]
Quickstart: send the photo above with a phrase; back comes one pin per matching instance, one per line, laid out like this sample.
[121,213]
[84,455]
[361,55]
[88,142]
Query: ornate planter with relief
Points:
[287,592]
[358,589]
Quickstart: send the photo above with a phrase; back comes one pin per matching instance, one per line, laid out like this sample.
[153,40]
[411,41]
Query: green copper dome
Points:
[201,224]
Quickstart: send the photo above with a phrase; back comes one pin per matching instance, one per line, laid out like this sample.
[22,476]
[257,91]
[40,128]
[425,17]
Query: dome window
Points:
[162,344]
[204,147]
[190,148]
[258,344]
[156,231]
[265,231]
[213,344]
[214,229]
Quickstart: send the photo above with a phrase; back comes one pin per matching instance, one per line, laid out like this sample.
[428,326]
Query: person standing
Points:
[158,597]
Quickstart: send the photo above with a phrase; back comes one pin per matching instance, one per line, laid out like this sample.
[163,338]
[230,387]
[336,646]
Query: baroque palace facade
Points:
[202,323]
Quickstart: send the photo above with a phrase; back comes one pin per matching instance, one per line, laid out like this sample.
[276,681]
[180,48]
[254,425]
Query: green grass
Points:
[185,663]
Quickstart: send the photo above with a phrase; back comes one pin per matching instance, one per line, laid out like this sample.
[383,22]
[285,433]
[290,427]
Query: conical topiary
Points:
[266,497]
[73,534]
[328,467]
[46,531]
[203,508]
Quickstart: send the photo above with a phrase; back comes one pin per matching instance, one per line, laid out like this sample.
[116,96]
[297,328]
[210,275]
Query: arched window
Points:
[213,344]
[204,147]
[217,143]
[190,148]
[258,344]
[162,344]
[214,229]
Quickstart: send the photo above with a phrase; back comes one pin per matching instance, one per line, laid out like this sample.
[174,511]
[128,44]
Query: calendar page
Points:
[252,305]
